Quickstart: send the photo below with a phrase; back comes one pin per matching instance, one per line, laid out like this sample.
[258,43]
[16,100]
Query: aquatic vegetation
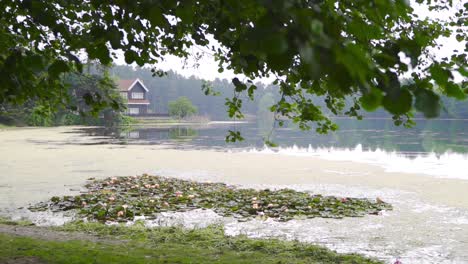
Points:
[123,198]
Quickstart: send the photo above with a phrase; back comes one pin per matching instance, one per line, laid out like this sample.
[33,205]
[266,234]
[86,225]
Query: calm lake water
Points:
[428,224]
[437,148]
[433,136]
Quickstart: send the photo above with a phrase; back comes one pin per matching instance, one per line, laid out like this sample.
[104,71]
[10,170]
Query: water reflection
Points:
[428,136]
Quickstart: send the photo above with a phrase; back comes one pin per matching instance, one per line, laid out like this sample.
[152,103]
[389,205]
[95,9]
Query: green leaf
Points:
[234,136]
[270,144]
[454,90]
[102,53]
[371,100]
[115,37]
[398,104]
[427,102]
[58,67]
[276,43]
[185,12]
[439,74]
[130,56]
[156,16]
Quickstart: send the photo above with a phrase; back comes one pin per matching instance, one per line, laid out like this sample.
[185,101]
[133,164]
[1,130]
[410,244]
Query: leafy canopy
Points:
[351,49]
[182,107]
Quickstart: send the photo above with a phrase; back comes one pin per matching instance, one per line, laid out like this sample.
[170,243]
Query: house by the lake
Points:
[136,95]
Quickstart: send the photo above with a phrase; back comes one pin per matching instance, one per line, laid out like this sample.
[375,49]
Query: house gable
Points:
[138,83]
[137,87]
[127,85]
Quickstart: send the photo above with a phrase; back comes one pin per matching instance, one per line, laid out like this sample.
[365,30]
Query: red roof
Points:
[138,101]
[124,85]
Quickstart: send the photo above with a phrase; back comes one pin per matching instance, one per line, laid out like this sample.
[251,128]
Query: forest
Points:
[172,86]
[165,89]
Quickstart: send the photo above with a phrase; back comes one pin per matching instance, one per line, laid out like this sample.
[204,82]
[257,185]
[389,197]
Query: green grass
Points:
[166,245]
[3,126]
[6,221]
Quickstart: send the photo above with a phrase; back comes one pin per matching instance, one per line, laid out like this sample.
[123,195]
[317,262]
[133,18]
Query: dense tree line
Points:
[89,96]
[172,86]
[92,86]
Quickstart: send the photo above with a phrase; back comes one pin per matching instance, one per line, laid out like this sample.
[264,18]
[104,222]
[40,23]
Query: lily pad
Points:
[123,198]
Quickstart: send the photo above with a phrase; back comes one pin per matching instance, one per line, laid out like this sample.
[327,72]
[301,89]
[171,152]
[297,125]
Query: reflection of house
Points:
[136,94]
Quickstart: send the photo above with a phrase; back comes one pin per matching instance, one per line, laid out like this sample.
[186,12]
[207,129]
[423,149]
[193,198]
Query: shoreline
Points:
[429,221]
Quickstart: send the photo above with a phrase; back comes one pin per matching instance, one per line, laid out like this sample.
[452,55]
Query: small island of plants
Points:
[122,198]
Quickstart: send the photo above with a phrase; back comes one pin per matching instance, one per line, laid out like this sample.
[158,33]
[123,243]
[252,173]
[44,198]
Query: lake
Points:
[422,172]
[433,147]
[433,136]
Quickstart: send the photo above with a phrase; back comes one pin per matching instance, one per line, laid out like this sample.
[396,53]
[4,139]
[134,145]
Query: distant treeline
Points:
[172,86]
[163,90]
[73,107]
[168,88]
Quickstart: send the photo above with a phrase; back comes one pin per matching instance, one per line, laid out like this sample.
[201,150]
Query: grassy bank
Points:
[137,244]
[3,126]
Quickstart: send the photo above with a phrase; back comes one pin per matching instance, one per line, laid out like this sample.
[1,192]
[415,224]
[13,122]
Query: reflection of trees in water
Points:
[437,136]
[440,137]
[265,118]
[175,133]
[182,133]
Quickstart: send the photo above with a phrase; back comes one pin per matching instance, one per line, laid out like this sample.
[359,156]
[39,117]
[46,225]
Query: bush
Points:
[182,107]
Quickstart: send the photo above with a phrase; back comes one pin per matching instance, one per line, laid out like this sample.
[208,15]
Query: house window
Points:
[124,95]
[137,95]
[134,134]
[134,111]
